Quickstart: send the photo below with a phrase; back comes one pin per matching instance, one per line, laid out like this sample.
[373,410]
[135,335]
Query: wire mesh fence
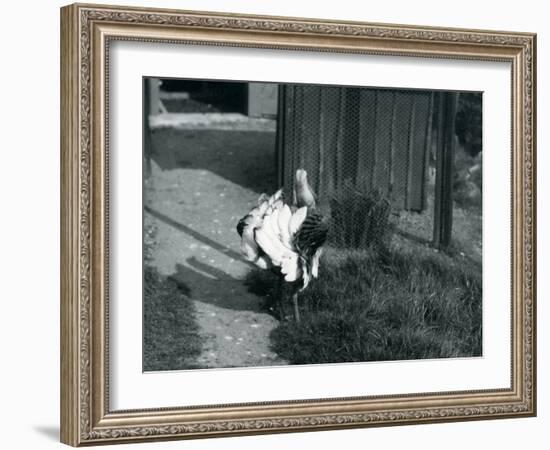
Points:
[367,153]
[378,159]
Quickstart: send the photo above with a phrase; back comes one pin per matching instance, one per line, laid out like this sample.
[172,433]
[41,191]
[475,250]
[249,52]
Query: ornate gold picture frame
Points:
[87,31]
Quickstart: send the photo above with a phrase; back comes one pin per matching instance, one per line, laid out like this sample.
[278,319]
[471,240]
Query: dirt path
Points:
[196,210]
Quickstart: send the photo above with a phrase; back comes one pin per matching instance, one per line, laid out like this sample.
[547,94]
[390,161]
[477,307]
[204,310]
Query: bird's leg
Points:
[296,310]
[280,300]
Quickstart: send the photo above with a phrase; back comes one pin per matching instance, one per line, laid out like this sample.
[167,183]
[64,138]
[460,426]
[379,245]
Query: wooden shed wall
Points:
[357,138]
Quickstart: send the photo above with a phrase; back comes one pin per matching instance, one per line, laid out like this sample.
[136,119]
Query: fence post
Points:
[151,106]
[280,136]
[443,207]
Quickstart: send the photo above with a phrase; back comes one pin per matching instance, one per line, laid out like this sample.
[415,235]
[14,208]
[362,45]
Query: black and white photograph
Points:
[290,224]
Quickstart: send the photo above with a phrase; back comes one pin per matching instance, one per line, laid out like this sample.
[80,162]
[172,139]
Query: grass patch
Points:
[380,306]
[360,220]
[170,334]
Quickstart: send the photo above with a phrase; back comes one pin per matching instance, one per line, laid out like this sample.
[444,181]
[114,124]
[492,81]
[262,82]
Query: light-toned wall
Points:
[29,223]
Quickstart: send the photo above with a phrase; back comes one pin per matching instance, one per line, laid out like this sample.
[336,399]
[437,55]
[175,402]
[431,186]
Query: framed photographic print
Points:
[275,224]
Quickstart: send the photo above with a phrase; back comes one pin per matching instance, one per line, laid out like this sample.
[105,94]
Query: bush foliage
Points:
[360,220]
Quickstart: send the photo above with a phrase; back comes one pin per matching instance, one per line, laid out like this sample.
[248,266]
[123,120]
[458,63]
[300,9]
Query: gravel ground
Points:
[198,191]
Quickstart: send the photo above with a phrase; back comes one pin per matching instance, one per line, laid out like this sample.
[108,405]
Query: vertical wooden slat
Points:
[329,106]
[417,150]
[351,136]
[290,133]
[443,208]
[280,137]
[367,125]
[341,129]
[427,151]
[382,139]
[410,154]
[401,136]
[322,148]
[391,162]
[299,125]
[310,132]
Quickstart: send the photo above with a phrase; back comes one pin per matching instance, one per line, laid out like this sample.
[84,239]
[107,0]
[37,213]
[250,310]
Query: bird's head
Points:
[303,194]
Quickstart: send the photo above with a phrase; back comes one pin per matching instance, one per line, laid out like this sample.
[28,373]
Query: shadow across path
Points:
[196,235]
[246,158]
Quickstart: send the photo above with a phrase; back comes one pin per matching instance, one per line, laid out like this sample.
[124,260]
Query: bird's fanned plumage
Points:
[290,238]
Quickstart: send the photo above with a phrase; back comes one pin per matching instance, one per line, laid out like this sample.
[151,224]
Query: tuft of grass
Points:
[171,339]
[360,220]
[381,306]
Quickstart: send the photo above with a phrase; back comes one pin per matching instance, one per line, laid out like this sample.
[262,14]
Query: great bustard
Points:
[286,238]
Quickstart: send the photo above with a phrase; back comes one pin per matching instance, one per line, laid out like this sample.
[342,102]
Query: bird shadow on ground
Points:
[211,285]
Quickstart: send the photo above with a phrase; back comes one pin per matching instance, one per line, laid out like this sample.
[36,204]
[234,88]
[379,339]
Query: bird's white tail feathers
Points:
[312,271]
[271,227]
[315,262]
